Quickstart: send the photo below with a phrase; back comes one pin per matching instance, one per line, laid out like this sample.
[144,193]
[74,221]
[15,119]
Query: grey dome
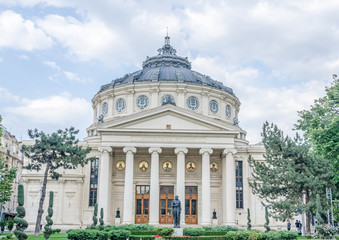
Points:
[167,67]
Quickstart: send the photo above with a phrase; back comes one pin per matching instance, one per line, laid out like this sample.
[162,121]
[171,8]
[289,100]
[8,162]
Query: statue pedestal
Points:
[117,221]
[178,232]
[214,222]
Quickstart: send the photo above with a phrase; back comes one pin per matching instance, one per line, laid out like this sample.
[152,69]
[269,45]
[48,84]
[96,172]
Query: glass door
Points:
[191,205]
[142,204]
[166,198]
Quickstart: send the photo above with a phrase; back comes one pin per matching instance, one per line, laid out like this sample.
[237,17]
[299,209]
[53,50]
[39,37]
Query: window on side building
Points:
[239,184]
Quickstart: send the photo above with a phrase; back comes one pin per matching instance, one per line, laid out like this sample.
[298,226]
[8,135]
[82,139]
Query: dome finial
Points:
[167,38]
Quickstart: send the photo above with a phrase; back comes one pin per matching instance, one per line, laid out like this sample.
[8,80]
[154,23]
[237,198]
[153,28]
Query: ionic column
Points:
[128,190]
[228,182]
[104,192]
[206,186]
[154,191]
[180,152]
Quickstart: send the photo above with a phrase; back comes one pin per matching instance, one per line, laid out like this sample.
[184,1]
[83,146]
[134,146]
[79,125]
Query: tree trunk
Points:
[41,203]
[308,215]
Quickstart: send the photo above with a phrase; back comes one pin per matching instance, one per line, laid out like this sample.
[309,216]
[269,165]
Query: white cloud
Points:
[24,57]
[21,34]
[1,59]
[73,77]
[51,113]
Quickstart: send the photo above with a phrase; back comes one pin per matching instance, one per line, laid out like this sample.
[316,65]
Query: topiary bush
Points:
[101,219]
[48,230]
[3,225]
[164,231]
[193,231]
[95,214]
[57,230]
[249,226]
[21,223]
[10,225]
[119,234]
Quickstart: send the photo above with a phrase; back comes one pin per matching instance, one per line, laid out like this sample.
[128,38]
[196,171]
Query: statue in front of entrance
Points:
[176,207]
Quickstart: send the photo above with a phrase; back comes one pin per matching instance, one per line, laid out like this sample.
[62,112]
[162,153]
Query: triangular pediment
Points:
[168,117]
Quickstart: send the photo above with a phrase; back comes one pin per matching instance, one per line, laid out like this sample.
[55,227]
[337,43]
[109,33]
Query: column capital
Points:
[206,150]
[105,149]
[180,149]
[130,149]
[230,150]
[152,150]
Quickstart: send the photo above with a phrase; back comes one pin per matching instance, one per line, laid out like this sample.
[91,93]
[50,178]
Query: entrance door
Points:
[166,198]
[191,205]
[142,204]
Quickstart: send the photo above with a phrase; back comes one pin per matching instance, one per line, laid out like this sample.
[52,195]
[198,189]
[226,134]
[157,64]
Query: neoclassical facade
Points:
[162,131]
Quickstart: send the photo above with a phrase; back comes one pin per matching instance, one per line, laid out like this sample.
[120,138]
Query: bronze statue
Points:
[176,206]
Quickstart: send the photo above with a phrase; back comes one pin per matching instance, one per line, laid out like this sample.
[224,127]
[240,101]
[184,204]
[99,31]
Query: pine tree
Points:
[21,223]
[101,219]
[267,220]
[290,177]
[95,214]
[51,152]
[48,229]
[249,226]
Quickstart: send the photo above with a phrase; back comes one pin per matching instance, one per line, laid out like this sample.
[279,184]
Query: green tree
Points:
[7,176]
[48,229]
[21,223]
[290,177]
[51,152]
[320,125]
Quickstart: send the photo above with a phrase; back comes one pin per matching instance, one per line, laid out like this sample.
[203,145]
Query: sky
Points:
[276,55]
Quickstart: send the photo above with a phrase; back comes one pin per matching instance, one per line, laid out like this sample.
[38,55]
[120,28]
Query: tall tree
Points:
[51,152]
[290,177]
[320,125]
[7,176]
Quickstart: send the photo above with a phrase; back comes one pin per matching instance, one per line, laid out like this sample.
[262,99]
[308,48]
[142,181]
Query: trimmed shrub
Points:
[48,230]
[3,225]
[119,234]
[273,235]
[130,227]
[141,237]
[101,219]
[236,235]
[94,218]
[80,234]
[139,233]
[287,235]
[213,233]
[193,231]
[57,230]
[255,235]
[249,226]
[21,223]
[222,228]
[192,238]
[10,225]
[164,231]
[267,220]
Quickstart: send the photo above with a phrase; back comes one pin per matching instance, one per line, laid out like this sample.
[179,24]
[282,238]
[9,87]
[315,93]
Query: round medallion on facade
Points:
[192,103]
[120,165]
[167,166]
[214,106]
[190,166]
[143,166]
[214,167]
[104,108]
[120,105]
[142,102]
[228,111]
[167,99]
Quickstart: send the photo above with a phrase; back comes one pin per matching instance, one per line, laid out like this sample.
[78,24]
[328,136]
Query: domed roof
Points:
[167,67]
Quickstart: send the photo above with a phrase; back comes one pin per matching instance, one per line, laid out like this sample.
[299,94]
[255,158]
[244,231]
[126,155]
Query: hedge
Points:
[193,231]
[141,237]
[194,237]
[164,231]
[143,232]
[214,233]
[88,234]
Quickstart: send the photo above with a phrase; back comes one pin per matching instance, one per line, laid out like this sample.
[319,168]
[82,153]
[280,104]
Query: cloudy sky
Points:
[277,55]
